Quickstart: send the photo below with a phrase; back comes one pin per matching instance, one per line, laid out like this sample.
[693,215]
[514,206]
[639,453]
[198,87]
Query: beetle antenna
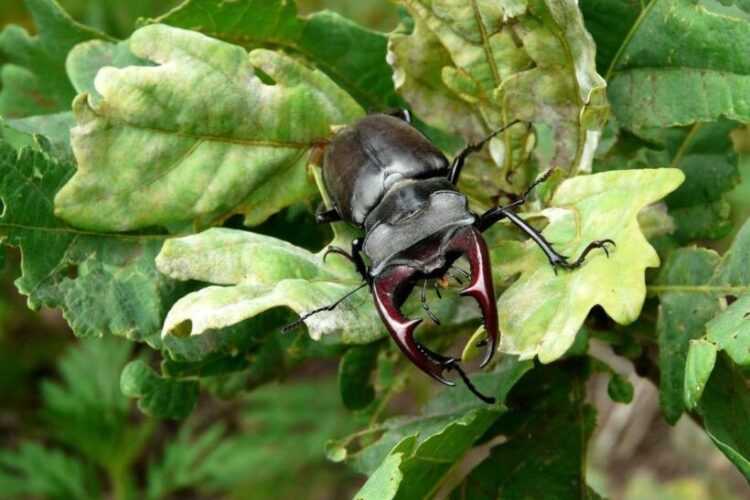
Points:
[291,326]
[437,290]
[423,298]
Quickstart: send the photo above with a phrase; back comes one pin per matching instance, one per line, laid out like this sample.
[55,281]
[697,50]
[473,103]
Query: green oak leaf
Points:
[355,373]
[383,484]
[414,454]
[199,137]
[547,439]
[486,64]
[104,283]
[725,408]
[34,80]
[542,311]
[694,288]
[352,56]
[705,154]
[676,62]
[159,396]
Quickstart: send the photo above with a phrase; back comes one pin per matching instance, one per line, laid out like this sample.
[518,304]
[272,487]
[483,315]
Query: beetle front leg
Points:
[323,216]
[401,114]
[355,257]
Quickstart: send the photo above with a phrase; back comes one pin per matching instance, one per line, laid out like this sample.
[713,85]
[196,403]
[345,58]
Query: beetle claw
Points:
[391,288]
[389,291]
[469,242]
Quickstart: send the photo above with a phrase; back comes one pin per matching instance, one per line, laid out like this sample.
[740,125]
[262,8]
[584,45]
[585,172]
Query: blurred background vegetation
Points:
[67,431]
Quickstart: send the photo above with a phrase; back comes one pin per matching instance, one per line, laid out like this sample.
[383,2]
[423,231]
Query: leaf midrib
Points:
[80,232]
[626,41]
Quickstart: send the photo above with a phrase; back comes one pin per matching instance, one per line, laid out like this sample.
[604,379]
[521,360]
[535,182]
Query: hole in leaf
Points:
[71,271]
[730,299]
[182,329]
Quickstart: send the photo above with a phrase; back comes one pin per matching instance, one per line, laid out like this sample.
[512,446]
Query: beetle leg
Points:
[470,243]
[454,172]
[391,289]
[555,259]
[323,216]
[355,257]
[401,114]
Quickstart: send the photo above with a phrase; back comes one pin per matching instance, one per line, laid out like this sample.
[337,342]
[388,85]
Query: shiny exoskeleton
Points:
[385,177]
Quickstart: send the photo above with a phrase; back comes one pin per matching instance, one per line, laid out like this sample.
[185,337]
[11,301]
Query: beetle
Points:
[386,178]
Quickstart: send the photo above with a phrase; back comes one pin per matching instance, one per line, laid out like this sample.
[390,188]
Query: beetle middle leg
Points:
[355,257]
[401,114]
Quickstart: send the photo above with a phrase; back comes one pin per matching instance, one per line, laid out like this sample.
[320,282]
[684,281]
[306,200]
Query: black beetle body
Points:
[386,178]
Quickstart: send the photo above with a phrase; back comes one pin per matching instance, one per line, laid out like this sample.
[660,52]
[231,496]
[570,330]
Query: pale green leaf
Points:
[86,59]
[384,482]
[730,331]
[700,363]
[473,66]
[34,82]
[198,137]
[542,311]
[258,273]
[104,283]
[352,56]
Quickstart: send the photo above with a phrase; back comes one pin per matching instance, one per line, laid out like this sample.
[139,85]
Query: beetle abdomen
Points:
[366,159]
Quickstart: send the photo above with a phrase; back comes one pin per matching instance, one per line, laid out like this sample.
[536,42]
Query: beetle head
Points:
[431,258]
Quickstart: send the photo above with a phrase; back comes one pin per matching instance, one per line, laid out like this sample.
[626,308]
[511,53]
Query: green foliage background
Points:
[158,175]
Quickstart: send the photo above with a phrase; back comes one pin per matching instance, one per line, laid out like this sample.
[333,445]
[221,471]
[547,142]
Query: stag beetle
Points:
[385,177]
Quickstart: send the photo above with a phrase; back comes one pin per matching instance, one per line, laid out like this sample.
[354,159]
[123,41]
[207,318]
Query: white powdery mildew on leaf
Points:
[263,273]
[197,137]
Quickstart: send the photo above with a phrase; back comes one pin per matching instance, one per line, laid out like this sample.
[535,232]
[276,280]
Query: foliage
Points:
[160,186]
